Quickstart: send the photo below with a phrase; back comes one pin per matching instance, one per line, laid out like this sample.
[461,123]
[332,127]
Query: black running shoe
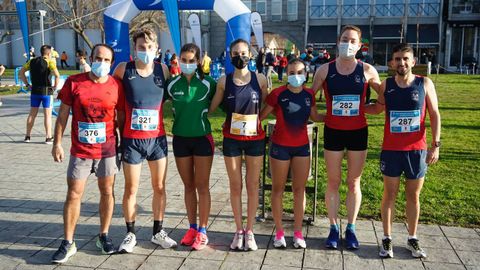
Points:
[105,244]
[65,251]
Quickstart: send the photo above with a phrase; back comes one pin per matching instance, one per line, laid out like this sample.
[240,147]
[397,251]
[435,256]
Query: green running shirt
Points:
[190,105]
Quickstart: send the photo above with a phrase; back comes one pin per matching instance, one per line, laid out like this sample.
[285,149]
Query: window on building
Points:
[292,10]
[248,3]
[356,8]
[389,8]
[277,10]
[323,9]
[262,7]
[205,17]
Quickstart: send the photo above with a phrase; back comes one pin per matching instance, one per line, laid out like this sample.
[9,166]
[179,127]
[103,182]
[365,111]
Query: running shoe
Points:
[65,251]
[299,242]
[415,248]
[333,238]
[279,243]
[201,241]
[237,242]
[351,239]
[49,140]
[162,239]
[27,139]
[189,237]
[386,249]
[250,243]
[105,244]
[128,243]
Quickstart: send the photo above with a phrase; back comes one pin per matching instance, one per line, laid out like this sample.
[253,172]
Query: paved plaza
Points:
[33,189]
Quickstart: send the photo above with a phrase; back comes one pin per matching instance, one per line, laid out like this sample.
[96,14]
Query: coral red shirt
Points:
[93,108]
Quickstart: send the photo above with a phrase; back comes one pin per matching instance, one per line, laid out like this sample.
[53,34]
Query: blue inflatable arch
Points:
[119,14]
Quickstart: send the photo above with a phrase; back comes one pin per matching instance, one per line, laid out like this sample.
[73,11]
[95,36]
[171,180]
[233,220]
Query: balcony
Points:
[389,10]
[431,9]
[323,11]
[356,11]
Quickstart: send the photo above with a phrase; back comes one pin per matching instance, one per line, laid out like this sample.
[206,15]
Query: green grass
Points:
[451,193]
[9,72]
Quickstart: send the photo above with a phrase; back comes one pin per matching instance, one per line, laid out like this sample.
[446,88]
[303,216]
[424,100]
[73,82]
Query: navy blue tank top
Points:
[245,100]
[404,116]
[345,97]
[143,93]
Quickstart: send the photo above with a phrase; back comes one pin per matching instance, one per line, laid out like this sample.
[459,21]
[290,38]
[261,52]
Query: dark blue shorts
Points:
[287,152]
[235,148]
[46,101]
[136,150]
[412,163]
[193,146]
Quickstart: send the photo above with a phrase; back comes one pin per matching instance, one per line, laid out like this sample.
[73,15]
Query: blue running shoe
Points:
[333,238]
[351,238]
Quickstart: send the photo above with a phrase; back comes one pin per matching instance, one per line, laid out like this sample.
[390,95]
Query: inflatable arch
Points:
[121,12]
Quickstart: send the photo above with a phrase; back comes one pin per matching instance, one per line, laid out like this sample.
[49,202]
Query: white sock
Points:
[387,236]
[412,237]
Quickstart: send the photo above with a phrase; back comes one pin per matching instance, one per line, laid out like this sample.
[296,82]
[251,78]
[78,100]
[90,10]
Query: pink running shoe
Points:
[189,237]
[201,241]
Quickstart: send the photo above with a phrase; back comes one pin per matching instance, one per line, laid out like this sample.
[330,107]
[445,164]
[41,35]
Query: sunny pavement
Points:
[33,190]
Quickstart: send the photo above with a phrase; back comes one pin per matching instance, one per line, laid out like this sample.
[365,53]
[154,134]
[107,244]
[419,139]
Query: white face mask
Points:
[100,69]
[347,49]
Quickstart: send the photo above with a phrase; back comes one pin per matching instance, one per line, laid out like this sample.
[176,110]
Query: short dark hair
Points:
[351,27]
[45,49]
[294,61]
[102,45]
[402,47]
[237,41]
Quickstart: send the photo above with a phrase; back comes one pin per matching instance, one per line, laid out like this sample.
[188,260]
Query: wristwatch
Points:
[437,144]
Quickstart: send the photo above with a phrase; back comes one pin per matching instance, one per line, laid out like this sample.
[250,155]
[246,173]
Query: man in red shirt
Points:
[93,98]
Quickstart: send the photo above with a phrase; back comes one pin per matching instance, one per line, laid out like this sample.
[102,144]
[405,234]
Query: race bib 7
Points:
[244,125]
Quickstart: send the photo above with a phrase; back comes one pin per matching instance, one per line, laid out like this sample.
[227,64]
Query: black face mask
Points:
[240,61]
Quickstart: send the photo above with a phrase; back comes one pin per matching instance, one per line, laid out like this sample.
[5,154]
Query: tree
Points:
[78,15]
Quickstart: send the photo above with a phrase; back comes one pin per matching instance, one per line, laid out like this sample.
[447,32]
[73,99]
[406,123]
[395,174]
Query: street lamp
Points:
[42,14]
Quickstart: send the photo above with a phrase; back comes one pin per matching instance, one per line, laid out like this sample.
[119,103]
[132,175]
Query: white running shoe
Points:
[250,243]
[237,243]
[279,243]
[299,242]
[162,239]
[128,243]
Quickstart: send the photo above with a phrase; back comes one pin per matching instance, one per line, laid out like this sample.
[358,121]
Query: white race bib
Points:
[145,120]
[92,133]
[245,125]
[404,121]
[346,105]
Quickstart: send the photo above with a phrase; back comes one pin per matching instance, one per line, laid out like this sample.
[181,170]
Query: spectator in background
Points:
[2,70]
[269,64]
[291,56]
[282,64]
[167,58]
[55,55]
[83,65]
[174,66]
[260,62]
[159,56]
[308,61]
[31,52]
[63,59]
[206,62]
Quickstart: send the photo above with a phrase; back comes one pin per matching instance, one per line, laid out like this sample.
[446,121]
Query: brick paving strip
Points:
[33,189]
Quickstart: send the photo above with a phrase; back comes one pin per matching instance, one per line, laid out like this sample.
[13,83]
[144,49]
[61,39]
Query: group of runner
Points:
[132,100]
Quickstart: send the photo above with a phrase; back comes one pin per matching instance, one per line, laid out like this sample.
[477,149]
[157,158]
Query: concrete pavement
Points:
[33,190]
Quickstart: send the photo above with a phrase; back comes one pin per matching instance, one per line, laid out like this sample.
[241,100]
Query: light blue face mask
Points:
[188,69]
[100,69]
[296,80]
[146,56]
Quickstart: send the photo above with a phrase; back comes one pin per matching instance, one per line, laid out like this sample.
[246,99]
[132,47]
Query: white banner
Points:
[256,20]
[194,21]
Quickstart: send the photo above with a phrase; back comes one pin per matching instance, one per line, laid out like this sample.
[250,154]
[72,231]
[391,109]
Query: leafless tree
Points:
[153,19]
[79,15]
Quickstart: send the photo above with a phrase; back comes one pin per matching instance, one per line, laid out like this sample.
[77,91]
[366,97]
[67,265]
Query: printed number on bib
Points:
[145,120]
[404,121]
[92,133]
[346,105]
[245,125]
